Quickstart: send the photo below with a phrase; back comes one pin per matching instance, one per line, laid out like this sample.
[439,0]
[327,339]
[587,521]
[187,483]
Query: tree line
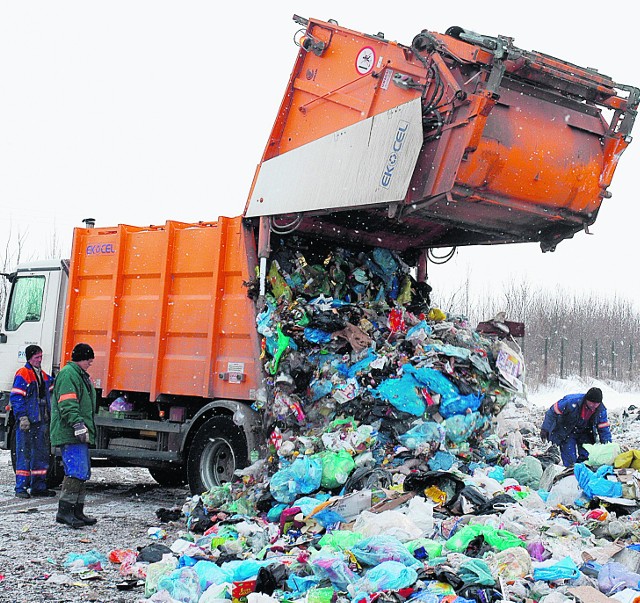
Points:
[566,333]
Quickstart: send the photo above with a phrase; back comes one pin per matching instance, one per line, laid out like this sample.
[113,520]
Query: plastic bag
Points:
[476,571]
[389,575]
[336,468]
[328,565]
[375,550]
[303,476]
[451,402]
[565,569]
[121,404]
[614,576]
[157,570]
[216,593]
[602,454]
[510,564]
[460,428]
[424,548]
[340,539]
[394,523]
[630,458]
[420,512]
[528,472]
[402,394]
[423,433]
[499,539]
[596,484]
[564,492]
[210,573]
[182,584]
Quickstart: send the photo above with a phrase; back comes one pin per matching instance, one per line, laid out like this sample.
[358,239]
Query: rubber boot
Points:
[79,513]
[66,514]
[80,506]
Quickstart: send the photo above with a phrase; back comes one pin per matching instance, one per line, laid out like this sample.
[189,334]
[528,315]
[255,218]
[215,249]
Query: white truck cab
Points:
[33,315]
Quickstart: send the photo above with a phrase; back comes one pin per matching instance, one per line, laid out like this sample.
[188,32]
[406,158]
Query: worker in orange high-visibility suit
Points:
[31,406]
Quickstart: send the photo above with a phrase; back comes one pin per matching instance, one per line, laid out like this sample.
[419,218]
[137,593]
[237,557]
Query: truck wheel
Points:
[55,474]
[218,449]
[169,477]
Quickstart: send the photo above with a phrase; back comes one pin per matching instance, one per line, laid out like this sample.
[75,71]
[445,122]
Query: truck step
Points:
[118,443]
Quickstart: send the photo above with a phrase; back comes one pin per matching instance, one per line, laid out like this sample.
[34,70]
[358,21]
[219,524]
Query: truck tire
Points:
[169,477]
[218,449]
[55,474]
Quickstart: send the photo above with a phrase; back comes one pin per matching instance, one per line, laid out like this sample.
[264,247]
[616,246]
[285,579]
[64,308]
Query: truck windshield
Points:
[25,304]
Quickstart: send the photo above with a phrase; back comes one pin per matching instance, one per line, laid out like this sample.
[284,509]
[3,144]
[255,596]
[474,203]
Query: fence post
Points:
[595,368]
[630,360]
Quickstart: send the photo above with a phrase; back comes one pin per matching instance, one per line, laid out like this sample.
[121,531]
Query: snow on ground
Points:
[616,395]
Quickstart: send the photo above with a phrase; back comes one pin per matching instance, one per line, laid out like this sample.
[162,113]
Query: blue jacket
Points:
[563,420]
[25,398]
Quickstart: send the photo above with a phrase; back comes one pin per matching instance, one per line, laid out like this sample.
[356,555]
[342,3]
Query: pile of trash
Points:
[352,334]
[475,533]
[396,469]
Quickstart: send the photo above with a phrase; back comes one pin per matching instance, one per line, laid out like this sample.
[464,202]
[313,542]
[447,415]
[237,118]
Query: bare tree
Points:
[10,256]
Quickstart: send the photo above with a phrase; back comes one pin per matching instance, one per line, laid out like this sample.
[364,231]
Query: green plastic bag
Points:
[528,472]
[341,540]
[320,595]
[602,454]
[336,468]
[431,547]
[499,539]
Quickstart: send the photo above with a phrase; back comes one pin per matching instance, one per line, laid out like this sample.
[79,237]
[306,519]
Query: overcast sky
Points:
[138,112]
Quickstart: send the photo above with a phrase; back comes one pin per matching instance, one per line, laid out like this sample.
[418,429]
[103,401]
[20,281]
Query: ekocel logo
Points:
[394,155]
[100,249]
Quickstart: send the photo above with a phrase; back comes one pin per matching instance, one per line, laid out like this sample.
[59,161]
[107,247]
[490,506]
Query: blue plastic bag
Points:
[451,402]
[376,549]
[596,484]
[303,476]
[424,433]
[389,575]
[565,569]
[402,393]
[210,573]
[614,576]
[182,584]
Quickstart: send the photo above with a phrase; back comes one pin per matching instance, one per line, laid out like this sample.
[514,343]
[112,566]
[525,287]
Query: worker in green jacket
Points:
[73,430]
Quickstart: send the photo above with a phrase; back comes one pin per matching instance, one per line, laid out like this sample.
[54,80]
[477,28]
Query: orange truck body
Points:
[457,139]
[166,309]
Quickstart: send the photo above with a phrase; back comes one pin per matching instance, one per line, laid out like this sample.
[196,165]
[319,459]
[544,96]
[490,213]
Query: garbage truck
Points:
[456,139]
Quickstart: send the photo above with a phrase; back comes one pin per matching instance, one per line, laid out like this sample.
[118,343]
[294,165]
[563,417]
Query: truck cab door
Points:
[30,317]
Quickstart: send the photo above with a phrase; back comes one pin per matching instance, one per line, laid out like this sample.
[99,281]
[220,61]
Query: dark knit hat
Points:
[594,395]
[31,350]
[82,351]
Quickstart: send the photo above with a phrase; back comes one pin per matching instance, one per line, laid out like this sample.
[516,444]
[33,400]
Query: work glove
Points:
[544,435]
[81,432]
[24,423]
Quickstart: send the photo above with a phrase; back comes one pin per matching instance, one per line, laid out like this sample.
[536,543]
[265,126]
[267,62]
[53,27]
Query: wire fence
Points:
[550,357]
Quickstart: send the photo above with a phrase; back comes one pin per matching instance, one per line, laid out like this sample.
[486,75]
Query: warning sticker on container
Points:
[235,367]
[365,60]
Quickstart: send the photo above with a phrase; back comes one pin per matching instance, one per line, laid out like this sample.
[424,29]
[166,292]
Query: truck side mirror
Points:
[3,338]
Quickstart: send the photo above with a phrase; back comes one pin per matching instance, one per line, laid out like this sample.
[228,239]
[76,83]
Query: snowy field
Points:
[616,396]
